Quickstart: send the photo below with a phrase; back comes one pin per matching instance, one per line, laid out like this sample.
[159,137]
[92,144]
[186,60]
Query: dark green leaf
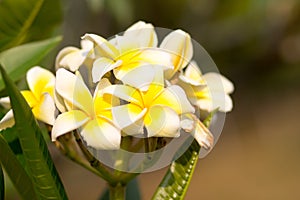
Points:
[2,187]
[26,20]
[132,191]
[38,160]
[15,170]
[18,60]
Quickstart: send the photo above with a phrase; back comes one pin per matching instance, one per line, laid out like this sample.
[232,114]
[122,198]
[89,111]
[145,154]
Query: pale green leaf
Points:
[16,61]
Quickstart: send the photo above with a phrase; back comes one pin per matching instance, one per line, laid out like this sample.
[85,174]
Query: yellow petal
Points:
[129,118]
[101,134]
[45,109]
[101,46]
[73,89]
[179,44]
[124,92]
[193,75]
[175,98]
[162,121]
[7,121]
[39,81]
[216,100]
[68,121]
[103,65]
[30,98]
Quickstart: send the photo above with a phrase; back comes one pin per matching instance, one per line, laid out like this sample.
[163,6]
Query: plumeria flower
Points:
[208,91]
[39,97]
[72,58]
[130,55]
[158,109]
[91,115]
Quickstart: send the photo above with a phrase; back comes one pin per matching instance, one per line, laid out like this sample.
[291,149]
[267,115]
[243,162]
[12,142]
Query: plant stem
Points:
[117,192]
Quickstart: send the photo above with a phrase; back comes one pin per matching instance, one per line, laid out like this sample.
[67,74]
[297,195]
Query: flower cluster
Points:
[128,85]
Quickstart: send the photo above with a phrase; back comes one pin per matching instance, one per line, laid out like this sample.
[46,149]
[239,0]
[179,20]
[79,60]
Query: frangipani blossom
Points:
[39,97]
[91,115]
[72,57]
[157,109]
[134,53]
[208,91]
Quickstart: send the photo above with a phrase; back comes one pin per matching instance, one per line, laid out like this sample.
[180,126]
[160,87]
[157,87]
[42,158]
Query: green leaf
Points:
[18,60]
[15,170]
[38,160]
[26,20]
[177,179]
[2,188]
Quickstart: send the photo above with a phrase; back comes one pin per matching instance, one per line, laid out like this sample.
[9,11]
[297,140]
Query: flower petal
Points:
[201,134]
[101,134]
[101,46]
[39,81]
[67,122]
[137,36]
[162,121]
[175,98]
[179,44]
[73,89]
[124,92]
[5,102]
[193,75]
[45,109]
[8,120]
[217,82]
[62,53]
[103,65]
[145,74]
[30,98]
[216,100]
[129,118]
[74,59]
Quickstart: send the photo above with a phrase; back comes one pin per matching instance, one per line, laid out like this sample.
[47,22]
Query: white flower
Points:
[92,115]
[39,97]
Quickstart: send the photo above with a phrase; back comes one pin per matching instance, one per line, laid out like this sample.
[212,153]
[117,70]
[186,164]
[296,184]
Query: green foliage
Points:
[15,170]
[18,60]
[40,166]
[26,20]
[178,177]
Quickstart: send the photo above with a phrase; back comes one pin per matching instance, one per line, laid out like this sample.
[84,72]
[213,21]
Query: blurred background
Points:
[256,44]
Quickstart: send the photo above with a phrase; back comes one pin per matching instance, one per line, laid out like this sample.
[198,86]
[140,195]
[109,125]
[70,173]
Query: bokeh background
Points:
[256,44]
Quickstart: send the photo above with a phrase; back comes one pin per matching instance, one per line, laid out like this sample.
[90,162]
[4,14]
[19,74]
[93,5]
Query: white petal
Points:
[129,118]
[5,102]
[140,77]
[217,82]
[67,122]
[144,33]
[8,120]
[101,134]
[162,121]
[193,75]
[59,102]
[39,81]
[124,92]
[45,109]
[218,100]
[103,65]
[73,89]
[179,44]
[62,53]
[74,60]
[174,97]
[101,46]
